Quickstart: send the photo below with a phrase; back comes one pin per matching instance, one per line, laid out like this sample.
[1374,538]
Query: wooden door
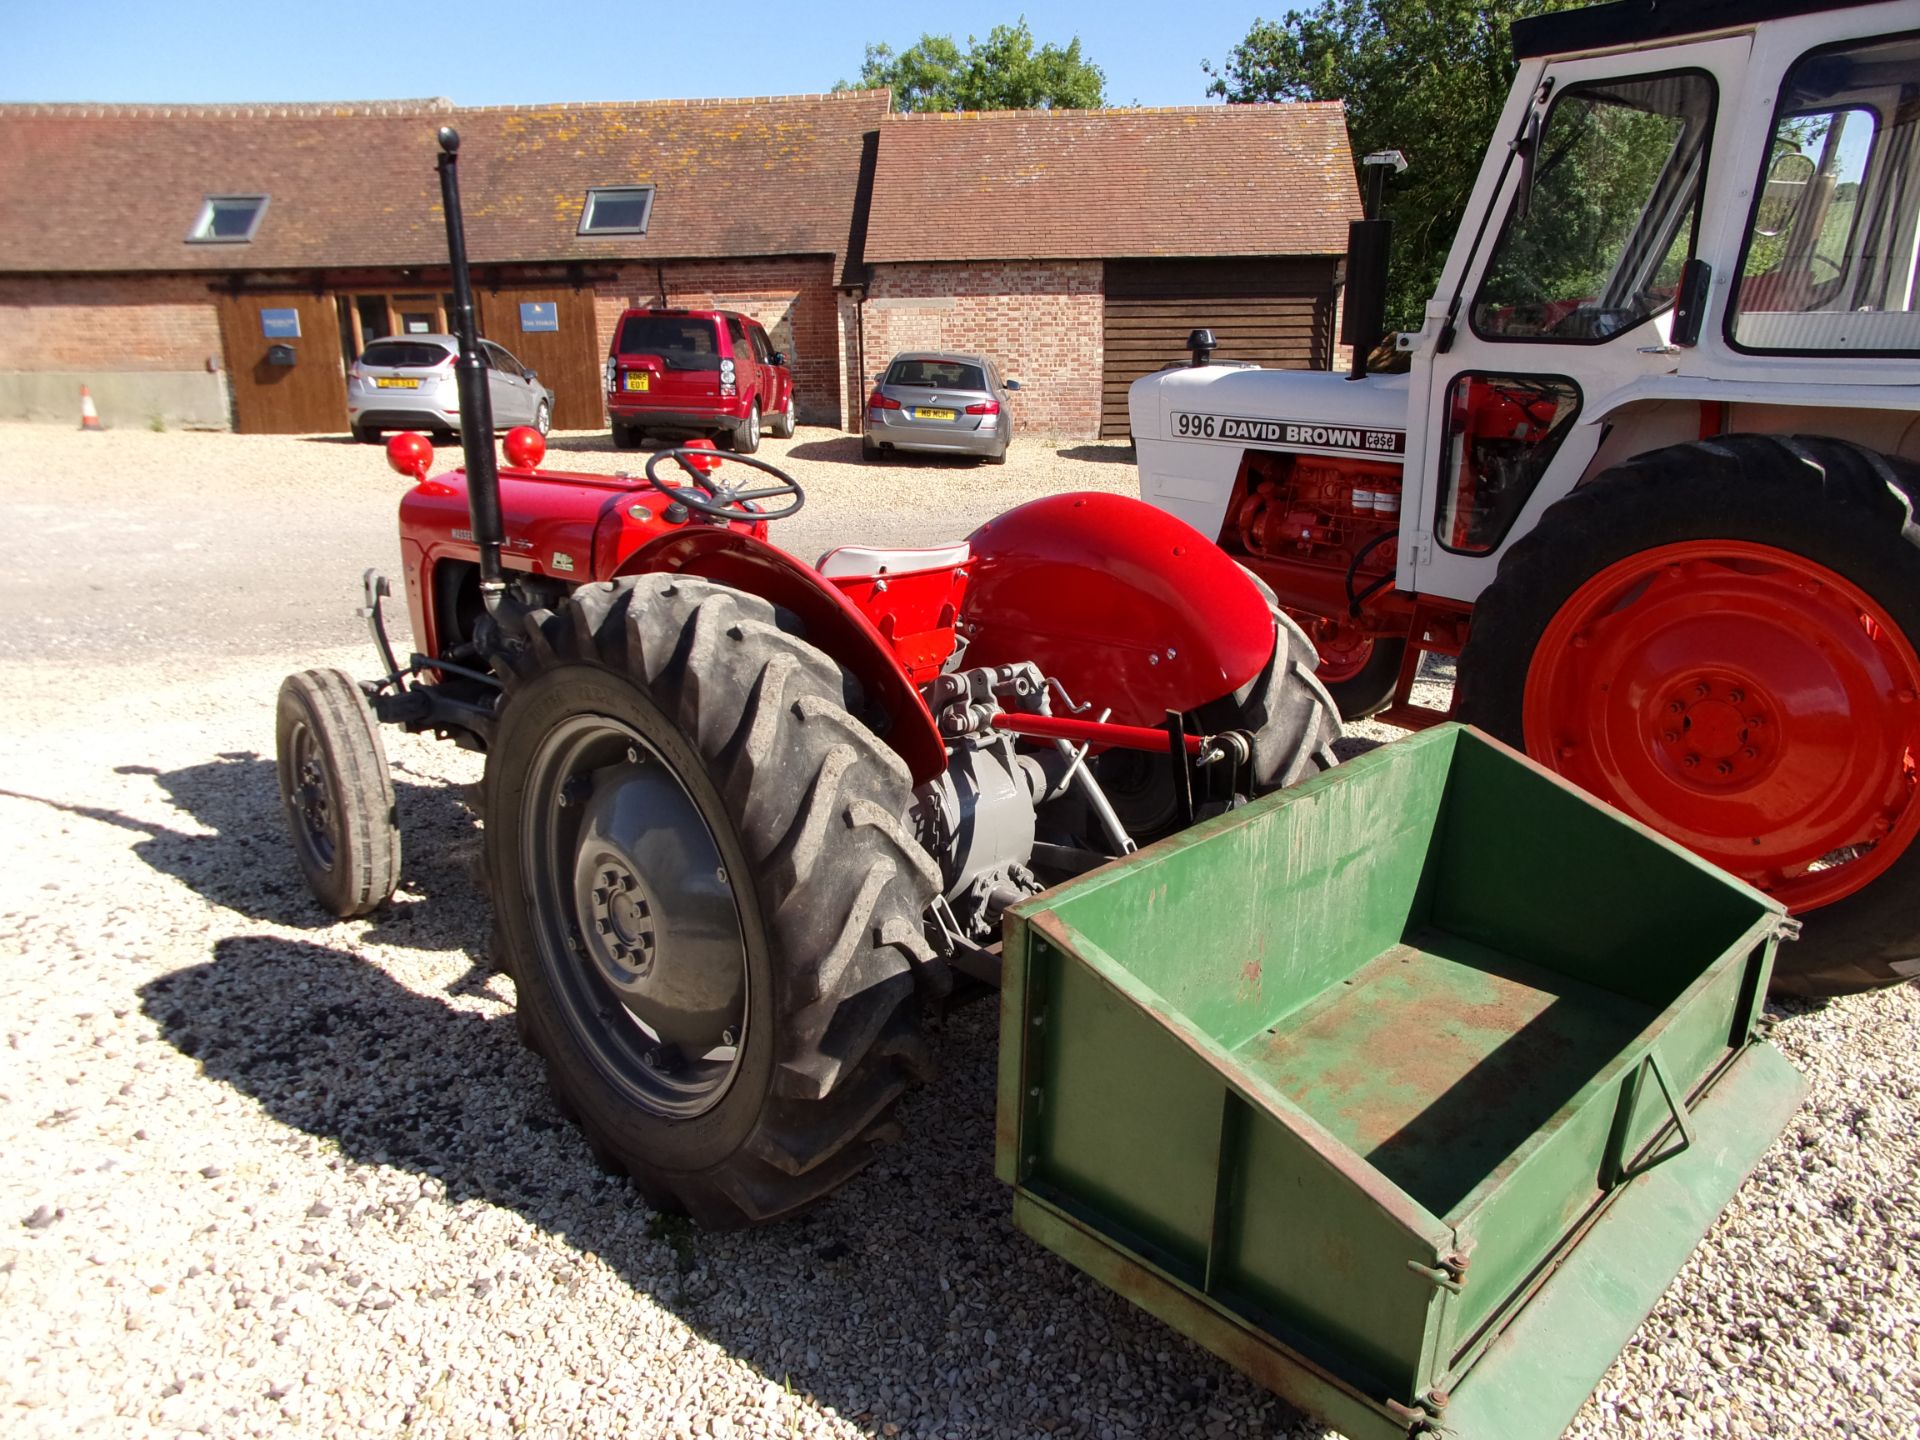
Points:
[308,396]
[549,327]
[1277,313]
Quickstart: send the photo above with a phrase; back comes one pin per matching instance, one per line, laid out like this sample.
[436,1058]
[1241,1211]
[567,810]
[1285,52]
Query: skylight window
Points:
[617,210]
[228,220]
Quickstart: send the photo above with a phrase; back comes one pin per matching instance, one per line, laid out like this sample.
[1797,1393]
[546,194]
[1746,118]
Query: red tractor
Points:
[745,815]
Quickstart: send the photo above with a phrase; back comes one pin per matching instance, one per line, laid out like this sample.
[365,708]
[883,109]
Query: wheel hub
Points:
[1714,733]
[657,916]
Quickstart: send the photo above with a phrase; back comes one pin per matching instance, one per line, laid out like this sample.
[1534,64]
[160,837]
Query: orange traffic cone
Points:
[89,417]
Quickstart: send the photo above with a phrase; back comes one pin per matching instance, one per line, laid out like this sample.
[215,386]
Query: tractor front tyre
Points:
[337,792]
[705,896]
[1719,638]
[1362,684]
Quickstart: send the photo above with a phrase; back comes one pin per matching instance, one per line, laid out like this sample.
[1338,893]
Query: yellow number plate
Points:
[639,382]
[921,412]
[394,382]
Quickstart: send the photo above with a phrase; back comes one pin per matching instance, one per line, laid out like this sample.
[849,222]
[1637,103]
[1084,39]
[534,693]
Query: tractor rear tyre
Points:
[1288,712]
[706,897]
[337,791]
[1719,638]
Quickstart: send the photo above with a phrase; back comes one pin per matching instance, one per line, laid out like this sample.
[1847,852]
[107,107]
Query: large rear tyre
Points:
[708,903]
[1719,638]
[337,792]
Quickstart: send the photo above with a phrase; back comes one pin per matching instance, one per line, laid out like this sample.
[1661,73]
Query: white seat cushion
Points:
[849,560]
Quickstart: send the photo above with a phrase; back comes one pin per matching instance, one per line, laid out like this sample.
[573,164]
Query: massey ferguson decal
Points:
[1294,434]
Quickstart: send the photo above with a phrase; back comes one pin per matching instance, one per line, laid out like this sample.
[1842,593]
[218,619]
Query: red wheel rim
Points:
[1343,655]
[1751,703]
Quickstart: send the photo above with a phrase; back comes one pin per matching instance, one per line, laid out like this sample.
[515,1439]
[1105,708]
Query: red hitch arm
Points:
[1093,732]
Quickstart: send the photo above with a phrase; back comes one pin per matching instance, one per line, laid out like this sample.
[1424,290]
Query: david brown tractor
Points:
[745,815]
[1649,466]
[1406,1088]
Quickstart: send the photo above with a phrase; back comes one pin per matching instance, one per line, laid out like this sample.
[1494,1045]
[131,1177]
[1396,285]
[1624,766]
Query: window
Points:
[617,211]
[1831,256]
[1502,431]
[682,343]
[1613,179]
[228,220]
[762,351]
[937,375]
[404,355]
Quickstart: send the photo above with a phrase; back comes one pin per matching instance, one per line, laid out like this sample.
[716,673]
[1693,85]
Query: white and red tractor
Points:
[1647,469]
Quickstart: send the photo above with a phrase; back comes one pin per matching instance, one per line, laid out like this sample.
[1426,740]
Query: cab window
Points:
[1604,219]
[1829,264]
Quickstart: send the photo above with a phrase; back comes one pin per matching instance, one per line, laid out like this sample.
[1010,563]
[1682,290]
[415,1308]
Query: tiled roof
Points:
[1096,184]
[103,187]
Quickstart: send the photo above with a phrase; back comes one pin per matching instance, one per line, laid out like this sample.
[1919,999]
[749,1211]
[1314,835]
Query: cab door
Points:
[1566,294]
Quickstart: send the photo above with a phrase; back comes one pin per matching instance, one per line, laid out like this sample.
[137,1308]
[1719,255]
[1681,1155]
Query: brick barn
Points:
[1079,247]
[160,254]
[221,265]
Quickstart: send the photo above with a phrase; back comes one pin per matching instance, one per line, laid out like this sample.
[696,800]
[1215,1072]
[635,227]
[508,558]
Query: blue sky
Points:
[498,52]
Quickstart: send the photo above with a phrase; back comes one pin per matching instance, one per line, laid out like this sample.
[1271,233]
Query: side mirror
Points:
[1013,384]
[778,357]
[533,374]
[1690,302]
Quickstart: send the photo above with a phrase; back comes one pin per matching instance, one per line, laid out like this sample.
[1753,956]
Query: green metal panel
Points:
[1338,1083]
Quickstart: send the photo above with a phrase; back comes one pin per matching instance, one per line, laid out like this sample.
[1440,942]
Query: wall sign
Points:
[280,324]
[539,315]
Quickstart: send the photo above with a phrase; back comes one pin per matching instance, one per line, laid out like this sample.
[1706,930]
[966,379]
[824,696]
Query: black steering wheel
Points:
[724,502]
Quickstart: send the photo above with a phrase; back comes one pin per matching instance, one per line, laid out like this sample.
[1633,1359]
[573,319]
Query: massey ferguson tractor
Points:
[744,814]
[1648,466]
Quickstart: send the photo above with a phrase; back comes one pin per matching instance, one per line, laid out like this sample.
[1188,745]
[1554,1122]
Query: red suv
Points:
[707,370]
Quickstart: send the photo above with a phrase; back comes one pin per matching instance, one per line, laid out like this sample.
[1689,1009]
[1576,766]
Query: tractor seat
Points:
[848,561]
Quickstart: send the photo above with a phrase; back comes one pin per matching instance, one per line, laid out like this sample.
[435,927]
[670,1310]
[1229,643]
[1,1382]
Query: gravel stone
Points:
[398,1234]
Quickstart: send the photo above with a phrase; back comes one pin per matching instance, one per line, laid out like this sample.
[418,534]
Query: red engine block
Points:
[1315,510]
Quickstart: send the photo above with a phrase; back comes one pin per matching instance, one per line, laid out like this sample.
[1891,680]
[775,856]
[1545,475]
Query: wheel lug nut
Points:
[633,755]
[1580,641]
[1750,753]
[1691,761]
[1702,690]
[1678,707]
[1734,697]
[1672,737]
[1882,825]
[1566,751]
[1723,769]
[729,1037]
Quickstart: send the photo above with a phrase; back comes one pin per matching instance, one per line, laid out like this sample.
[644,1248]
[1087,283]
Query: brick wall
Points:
[792,297]
[1039,320]
[132,323]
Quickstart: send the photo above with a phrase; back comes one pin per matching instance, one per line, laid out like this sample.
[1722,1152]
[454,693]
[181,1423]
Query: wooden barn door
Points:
[551,328]
[1277,313]
[308,396]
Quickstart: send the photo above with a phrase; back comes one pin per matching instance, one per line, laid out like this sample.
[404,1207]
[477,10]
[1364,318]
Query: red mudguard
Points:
[1123,604]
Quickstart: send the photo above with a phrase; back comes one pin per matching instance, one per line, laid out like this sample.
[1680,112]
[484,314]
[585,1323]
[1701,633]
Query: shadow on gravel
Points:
[841,450]
[1115,454]
[247,863]
[907,1300]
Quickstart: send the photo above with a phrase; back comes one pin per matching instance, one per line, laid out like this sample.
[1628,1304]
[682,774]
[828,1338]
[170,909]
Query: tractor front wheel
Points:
[1719,639]
[337,792]
[709,906]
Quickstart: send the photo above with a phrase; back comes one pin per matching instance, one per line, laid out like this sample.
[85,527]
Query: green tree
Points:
[1002,72]
[1425,77]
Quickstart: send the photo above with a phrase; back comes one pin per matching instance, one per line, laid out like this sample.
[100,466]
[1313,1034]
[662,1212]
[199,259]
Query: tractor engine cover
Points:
[1120,602]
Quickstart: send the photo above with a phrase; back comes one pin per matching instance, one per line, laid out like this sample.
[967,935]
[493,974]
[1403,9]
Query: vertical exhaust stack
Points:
[476,404]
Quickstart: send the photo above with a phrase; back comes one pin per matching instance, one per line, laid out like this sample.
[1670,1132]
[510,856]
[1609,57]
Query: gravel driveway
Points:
[269,1175]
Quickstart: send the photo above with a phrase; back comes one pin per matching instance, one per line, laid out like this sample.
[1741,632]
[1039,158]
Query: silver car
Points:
[943,403]
[406,382]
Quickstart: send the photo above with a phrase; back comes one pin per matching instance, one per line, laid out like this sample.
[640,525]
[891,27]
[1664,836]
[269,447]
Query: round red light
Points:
[705,464]
[526,447]
[410,453]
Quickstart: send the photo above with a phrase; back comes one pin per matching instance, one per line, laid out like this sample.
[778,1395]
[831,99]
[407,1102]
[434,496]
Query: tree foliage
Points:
[1003,72]
[1425,77]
